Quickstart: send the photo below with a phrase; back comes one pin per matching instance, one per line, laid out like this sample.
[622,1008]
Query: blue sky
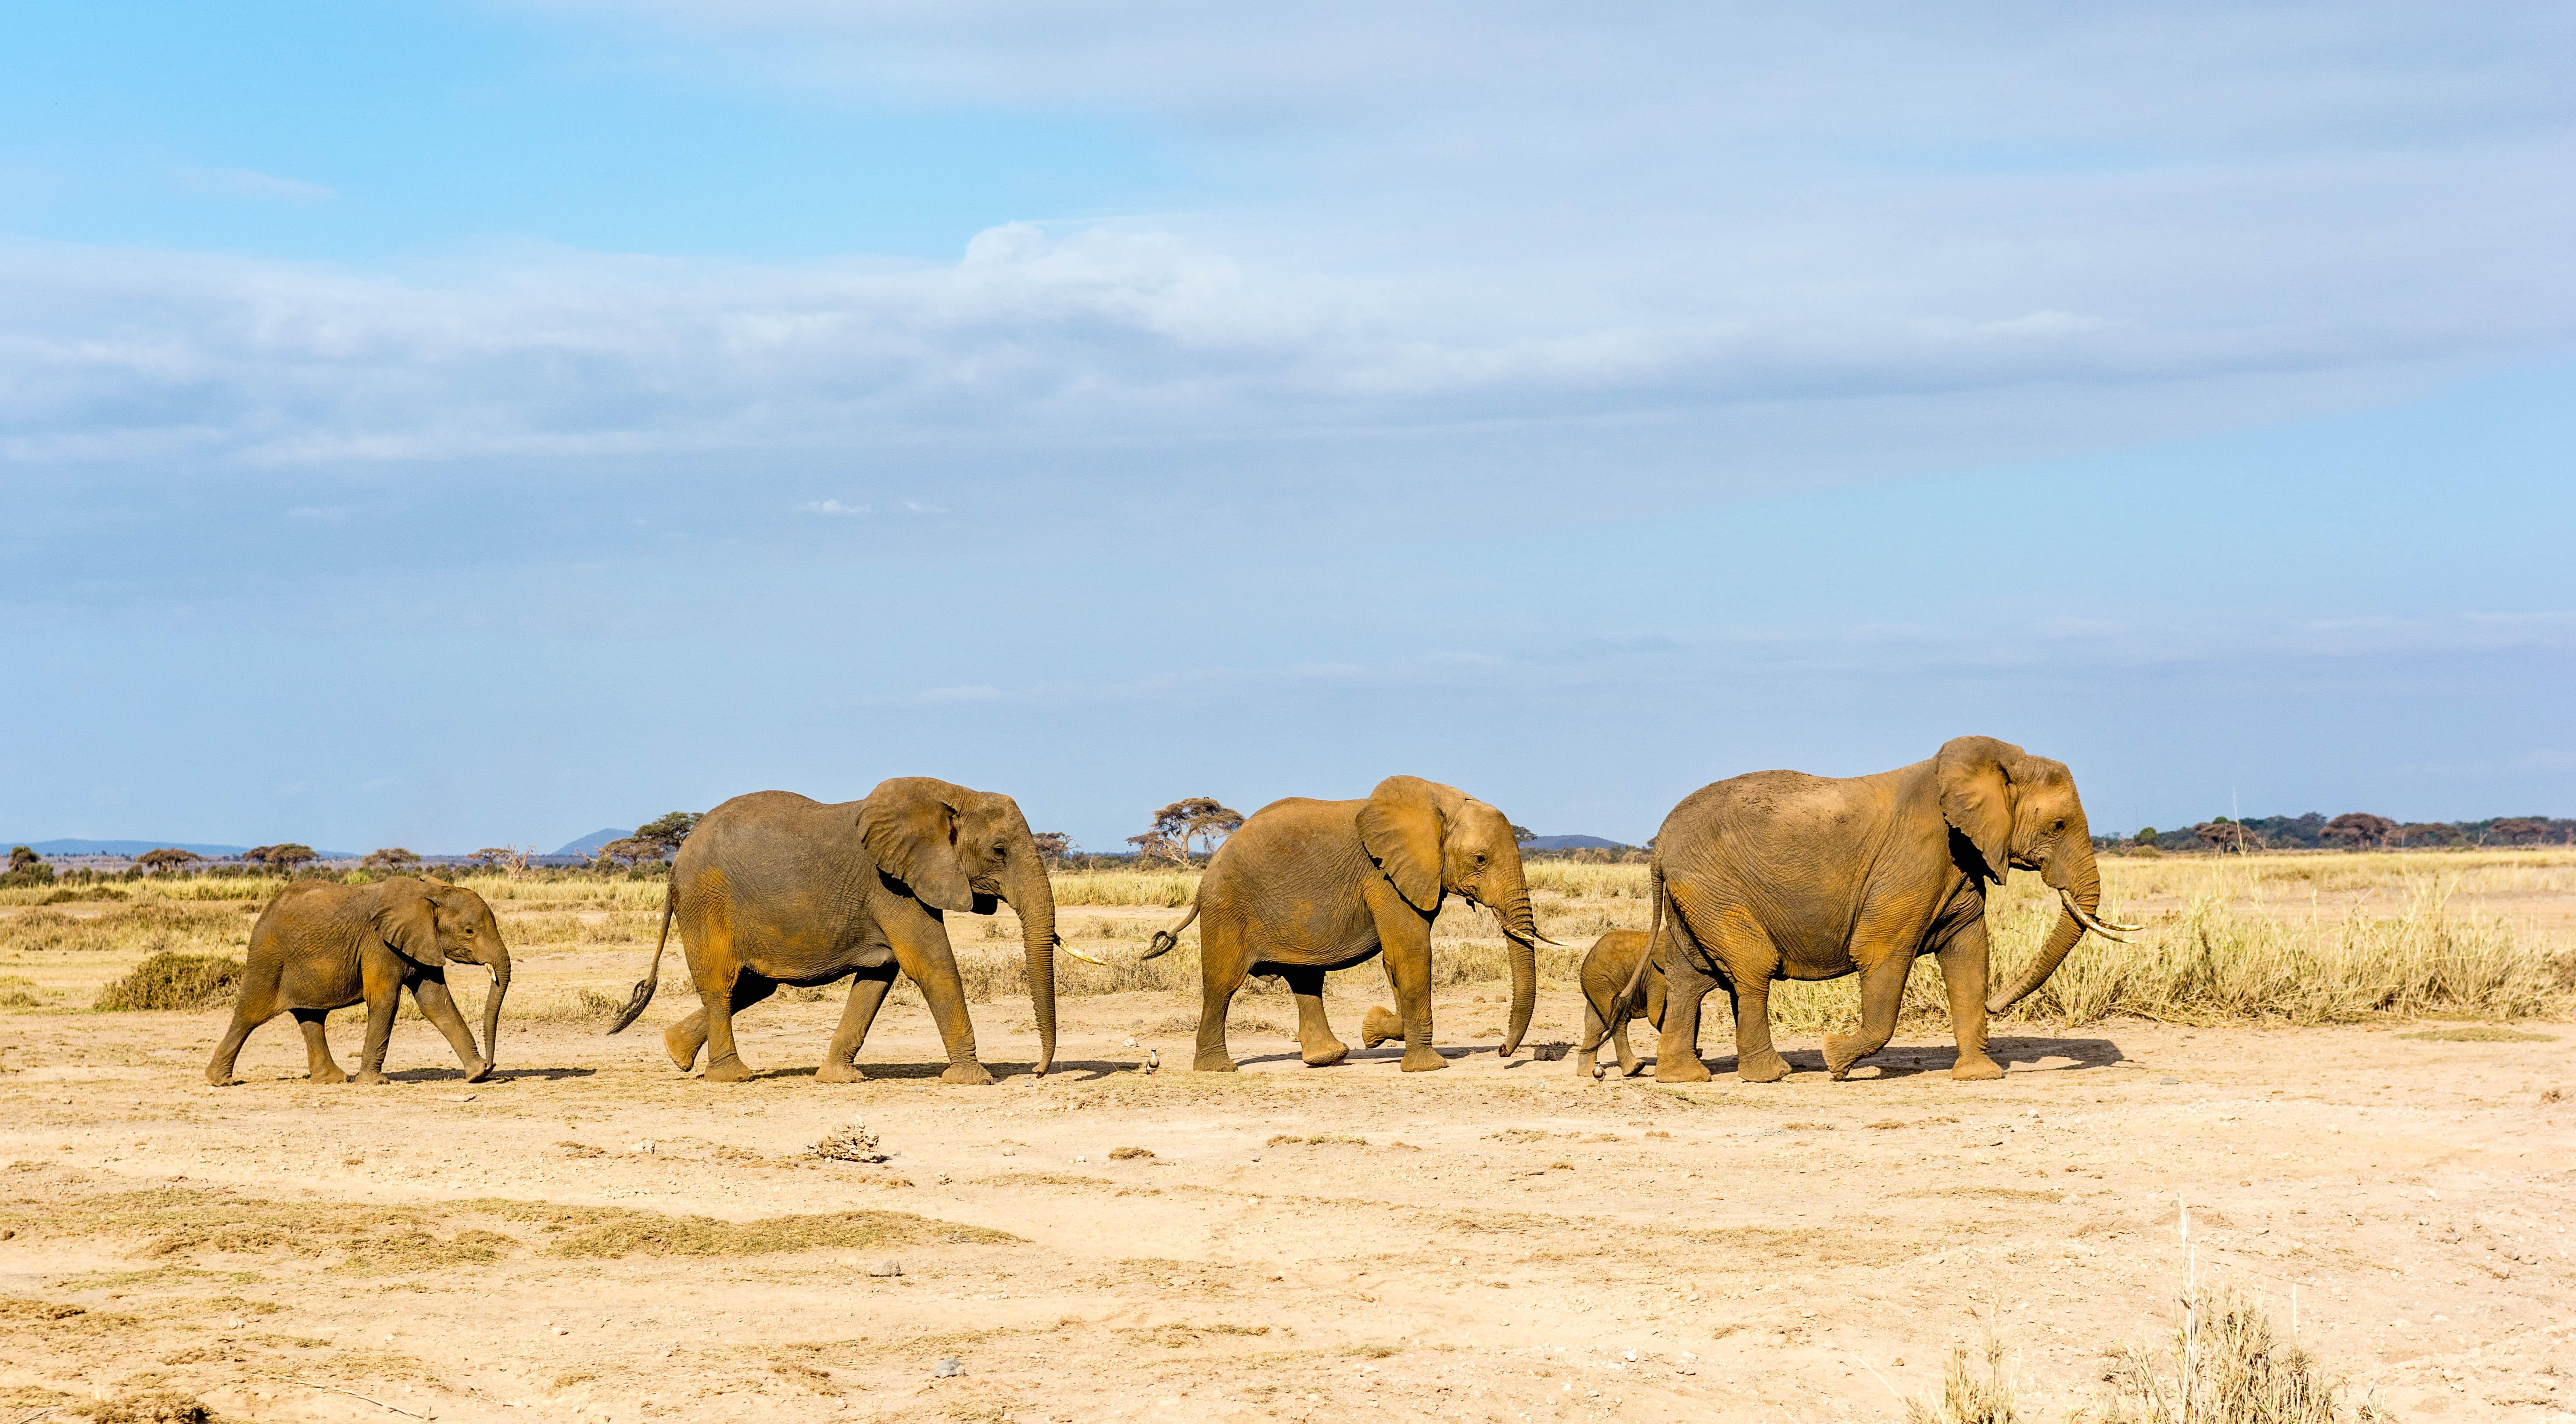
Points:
[444,425]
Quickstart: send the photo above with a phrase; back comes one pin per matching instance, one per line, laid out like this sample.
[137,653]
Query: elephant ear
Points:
[909,826]
[1976,795]
[407,918]
[1402,825]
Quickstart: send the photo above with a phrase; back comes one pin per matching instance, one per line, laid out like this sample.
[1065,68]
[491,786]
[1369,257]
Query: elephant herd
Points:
[1771,875]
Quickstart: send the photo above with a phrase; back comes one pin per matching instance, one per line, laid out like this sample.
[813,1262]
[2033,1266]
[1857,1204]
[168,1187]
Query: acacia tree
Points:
[2226,835]
[1194,818]
[512,860]
[2519,830]
[167,858]
[2355,830]
[665,832]
[389,858]
[1053,846]
[285,859]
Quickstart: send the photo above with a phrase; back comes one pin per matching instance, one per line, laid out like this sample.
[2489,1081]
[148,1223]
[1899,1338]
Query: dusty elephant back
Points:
[1296,846]
[308,941]
[785,870]
[1786,815]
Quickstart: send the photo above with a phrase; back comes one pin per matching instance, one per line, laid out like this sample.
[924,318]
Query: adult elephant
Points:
[775,888]
[1309,886]
[1781,875]
[322,947]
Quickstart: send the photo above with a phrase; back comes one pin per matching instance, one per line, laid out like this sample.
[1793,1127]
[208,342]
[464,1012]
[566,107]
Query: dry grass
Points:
[1966,1394]
[652,1234]
[2229,1368]
[171,981]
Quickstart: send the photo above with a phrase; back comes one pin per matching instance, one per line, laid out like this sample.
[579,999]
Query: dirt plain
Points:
[596,1235]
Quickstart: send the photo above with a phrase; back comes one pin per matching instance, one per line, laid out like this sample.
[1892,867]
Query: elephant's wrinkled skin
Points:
[1310,886]
[1614,992]
[322,947]
[1780,875]
[775,888]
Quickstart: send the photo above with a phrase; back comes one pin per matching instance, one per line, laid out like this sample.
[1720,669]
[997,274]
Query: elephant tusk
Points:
[1086,958]
[2084,918]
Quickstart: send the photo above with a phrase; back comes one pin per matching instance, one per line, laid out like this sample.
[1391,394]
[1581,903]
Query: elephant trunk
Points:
[1520,933]
[2079,890]
[1029,894]
[498,961]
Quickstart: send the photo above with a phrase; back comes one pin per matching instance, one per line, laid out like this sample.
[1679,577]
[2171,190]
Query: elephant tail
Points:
[1165,941]
[652,979]
[1654,938]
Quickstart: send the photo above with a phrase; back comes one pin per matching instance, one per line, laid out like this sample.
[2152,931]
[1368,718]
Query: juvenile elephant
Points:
[775,888]
[322,947]
[1614,991]
[1781,875]
[1310,886]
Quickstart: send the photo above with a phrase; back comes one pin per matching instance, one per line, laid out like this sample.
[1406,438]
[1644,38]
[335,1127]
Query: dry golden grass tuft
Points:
[1968,1395]
[2227,1367]
[173,981]
[652,1234]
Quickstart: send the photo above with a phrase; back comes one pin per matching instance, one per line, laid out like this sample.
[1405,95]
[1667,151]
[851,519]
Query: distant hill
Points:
[1573,843]
[589,845]
[74,847]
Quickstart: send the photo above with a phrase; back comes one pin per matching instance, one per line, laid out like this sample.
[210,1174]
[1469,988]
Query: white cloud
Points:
[828,506]
[243,183]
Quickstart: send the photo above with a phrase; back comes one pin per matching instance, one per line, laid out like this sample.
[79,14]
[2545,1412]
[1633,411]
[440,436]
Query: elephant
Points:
[1613,994]
[1777,874]
[1308,886]
[775,888]
[322,947]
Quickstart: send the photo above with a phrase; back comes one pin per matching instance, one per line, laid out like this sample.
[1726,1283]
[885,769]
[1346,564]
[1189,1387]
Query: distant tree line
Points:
[2353,830]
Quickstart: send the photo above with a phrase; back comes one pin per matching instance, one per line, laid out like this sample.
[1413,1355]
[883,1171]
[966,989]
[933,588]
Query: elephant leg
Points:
[1223,963]
[685,1037]
[1756,1061]
[924,954]
[1963,977]
[219,1069]
[318,1063]
[440,1008]
[1314,1034]
[1628,1060]
[735,989]
[1686,983]
[1882,994]
[867,995]
[1587,1049]
[1404,937]
[384,998]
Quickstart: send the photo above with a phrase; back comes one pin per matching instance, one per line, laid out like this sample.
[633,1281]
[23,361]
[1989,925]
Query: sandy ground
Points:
[1499,1241]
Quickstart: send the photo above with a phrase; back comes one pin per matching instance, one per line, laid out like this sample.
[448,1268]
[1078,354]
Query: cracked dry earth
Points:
[596,1236]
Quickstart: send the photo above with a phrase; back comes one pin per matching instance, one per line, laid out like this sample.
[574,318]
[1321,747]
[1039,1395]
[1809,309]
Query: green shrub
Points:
[170,980]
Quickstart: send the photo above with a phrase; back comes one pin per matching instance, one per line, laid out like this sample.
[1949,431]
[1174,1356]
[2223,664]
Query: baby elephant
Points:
[322,947]
[1607,968]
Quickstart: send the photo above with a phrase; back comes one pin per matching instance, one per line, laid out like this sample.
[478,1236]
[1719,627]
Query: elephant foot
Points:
[221,1078]
[1680,1070]
[1844,1050]
[1379,1025]
[478,1072]
[970,1072]
[1333,1051]
[1764,1067]
[682,1047]
[728,1069]
[1631,1070]
[839,1073]
[370,1078]
[327,1075]
[1977,1069]
[1423,1060]
[1214,1060]
[1585,1067]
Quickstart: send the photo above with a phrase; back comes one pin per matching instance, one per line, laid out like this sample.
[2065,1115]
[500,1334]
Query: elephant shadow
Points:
[2080,1055]
[1082,1070]
[499,1075]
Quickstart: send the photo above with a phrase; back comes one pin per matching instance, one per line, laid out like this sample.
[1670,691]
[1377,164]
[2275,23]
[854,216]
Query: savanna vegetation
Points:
[2259,938]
